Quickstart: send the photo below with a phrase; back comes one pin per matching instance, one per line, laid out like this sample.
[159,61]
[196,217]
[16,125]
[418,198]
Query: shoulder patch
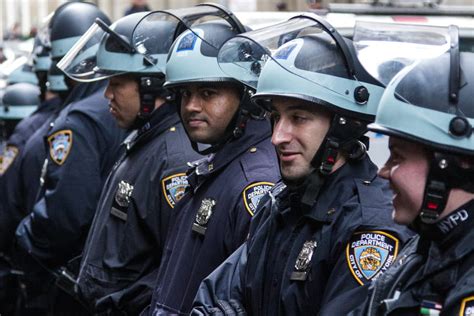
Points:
[467,307]
[253,193]
[174,187]
[60,144]
[370,253]
[7,158]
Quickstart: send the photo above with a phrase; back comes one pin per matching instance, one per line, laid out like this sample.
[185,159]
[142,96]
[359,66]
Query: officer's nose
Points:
[191,103]
[282,132]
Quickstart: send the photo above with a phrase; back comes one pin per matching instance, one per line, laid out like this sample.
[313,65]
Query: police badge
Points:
[60,144]
[302,265]
[122,200]
[203,215]
[370,253]
[174,188]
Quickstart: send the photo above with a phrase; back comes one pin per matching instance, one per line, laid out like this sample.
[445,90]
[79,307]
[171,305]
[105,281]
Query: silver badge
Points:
[303,261]
[203,215]
[122,196]
[122,200]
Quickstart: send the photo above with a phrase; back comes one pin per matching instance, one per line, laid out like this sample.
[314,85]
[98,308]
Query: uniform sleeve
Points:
[356,261]
[460,300]
[9,197]
[58,223]
[221,292]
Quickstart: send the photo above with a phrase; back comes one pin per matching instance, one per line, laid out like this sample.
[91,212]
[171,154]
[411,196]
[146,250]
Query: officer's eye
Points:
[184,93]
[299,118]
[207,93]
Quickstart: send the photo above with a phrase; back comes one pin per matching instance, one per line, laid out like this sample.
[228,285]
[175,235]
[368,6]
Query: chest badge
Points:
[303,262]
[122,200]
[203,215]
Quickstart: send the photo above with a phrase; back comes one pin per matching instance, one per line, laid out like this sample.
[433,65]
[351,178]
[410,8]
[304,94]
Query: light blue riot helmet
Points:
[193,59]
[305,58]
[137,45]
[19,101]
[428,100]
[69,22]
[22,74]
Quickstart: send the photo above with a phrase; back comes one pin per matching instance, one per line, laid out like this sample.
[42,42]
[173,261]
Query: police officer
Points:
[213,217]
[81,147]
[430,169]
[123,250]
[323,234]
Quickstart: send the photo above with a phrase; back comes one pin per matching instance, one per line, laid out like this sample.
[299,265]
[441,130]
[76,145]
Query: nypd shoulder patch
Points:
[370,253]
[7,158]
[60,144]
[174,187]
[253,193]
[467,306]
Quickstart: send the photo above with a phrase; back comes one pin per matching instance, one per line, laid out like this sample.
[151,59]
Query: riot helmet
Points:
[427,100]
[305,58]
[69,22]
[193,59]
[19,101]
[137,44]
[22,74]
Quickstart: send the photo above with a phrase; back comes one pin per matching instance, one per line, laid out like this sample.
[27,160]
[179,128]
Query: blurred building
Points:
[28,14]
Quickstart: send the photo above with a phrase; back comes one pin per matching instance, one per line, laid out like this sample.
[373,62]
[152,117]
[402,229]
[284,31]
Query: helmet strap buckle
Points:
[436,190]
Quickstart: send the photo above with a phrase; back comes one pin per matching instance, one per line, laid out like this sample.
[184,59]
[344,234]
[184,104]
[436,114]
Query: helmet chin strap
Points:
[444,174]
[149,88]
[344,135]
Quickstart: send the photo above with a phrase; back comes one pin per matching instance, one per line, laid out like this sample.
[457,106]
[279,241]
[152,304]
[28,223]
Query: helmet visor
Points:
[244,56]
[386,50]
[80,63]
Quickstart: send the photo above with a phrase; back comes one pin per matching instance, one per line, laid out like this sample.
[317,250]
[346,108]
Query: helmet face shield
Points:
[102,53]
[386,49]
[416,65]
[80,63]
[244,56]
[302,58]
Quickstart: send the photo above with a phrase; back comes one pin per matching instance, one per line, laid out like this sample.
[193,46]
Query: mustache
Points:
[194,116]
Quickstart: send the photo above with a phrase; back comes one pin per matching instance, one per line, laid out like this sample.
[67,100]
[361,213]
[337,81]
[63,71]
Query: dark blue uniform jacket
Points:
[123,250]
[213,218]
[81,149]
[434,274]
[9,179]
[315,260]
